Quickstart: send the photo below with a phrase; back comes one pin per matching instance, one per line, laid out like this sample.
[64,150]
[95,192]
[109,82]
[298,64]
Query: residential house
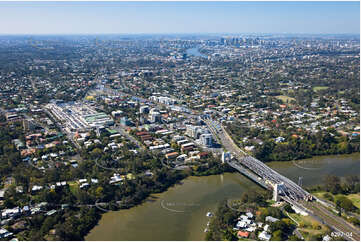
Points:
[271,219]
[264,236]
[242,234]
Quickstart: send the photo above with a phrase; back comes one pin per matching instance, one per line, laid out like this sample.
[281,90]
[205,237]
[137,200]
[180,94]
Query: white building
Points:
[144,109]
[264,236]
[249,215]
[192,131]
[155,117]
[326,238]
[207,140]
[271,219]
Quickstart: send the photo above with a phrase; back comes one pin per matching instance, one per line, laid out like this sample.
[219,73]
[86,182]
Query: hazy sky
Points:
[179,17]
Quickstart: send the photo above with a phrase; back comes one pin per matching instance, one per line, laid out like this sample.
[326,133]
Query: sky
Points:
[179,17]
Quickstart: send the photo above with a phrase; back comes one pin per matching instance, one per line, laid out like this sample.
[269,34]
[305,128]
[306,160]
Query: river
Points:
[195,52]
[179,213]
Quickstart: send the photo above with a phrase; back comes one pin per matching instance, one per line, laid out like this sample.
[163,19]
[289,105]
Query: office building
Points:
[207,140]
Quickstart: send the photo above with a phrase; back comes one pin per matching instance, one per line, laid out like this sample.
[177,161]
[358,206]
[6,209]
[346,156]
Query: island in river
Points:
[180,212]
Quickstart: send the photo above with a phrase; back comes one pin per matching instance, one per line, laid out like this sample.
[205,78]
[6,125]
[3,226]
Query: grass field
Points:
[309,233]
[308,226]
[320,194]
[306,220]
[319,88]
[355,198]
[285,98]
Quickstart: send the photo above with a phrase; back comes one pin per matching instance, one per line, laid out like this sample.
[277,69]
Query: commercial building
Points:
[164,100]
[126,122]
[194,131]
[144,109]
[206,140]
[155,117]
[79,116]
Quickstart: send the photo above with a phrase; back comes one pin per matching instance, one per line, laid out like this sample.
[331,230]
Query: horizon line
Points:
[185,33]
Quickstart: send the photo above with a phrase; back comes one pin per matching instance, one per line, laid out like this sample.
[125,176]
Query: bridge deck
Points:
[248,174]
[256,166]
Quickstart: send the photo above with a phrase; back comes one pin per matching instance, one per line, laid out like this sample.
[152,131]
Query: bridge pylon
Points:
[276,191]
[300,179]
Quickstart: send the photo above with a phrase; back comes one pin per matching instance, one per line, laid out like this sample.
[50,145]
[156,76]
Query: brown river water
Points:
[180,212]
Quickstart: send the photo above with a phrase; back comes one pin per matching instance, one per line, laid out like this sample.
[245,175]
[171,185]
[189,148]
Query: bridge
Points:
[265,173]
[290,191]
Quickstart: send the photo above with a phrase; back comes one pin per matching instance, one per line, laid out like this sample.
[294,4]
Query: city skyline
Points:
[179,17]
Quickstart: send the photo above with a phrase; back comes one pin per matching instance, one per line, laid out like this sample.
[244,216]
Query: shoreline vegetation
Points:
[292,145]
[342,192]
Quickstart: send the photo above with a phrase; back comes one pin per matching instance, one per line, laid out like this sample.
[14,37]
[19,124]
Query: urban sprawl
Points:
[96,123]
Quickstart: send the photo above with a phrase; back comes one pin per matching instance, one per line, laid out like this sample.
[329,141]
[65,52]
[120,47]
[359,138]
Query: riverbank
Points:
[198,195]
[311,156]
[290,146]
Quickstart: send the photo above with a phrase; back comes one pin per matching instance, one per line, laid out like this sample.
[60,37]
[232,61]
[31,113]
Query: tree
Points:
[274,212]
[47,225]
[99,192]
[351,184]
[332,184]
[328,197]
[277,235]
[345,203]
[229,236]
[354,221]
[96,153]
[289,208]
[263,151]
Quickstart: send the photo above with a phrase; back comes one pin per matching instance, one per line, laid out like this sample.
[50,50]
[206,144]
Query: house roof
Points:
[243,234]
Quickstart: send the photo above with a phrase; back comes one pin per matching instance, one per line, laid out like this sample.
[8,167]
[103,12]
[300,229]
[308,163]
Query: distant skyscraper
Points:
[222,41]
